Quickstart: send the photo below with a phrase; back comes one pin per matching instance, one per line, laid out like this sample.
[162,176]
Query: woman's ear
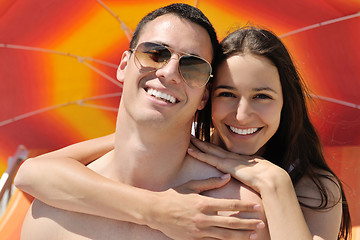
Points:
[120,74]
[204,99]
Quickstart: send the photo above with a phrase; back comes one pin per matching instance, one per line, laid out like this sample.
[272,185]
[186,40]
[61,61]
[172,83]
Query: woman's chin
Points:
[246,151]
[242,151]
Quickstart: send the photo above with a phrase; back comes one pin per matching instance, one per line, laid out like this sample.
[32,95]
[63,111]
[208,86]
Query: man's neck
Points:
[149,157]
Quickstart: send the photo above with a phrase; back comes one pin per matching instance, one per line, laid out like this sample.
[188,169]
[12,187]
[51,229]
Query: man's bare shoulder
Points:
[236,190]
[46,222]
[232,190]
[195,169]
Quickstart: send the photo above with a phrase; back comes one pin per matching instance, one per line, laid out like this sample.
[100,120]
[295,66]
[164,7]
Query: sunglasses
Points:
[150,57]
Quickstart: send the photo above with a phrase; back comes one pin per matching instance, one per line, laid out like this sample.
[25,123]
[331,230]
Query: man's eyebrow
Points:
[167,45]
[161,43]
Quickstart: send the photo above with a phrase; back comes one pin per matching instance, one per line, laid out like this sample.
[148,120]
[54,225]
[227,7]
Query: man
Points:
[164,75]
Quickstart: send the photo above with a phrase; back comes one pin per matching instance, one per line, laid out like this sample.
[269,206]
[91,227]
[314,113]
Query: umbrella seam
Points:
[79,102]
[320,24]
[79,58]
[124,27]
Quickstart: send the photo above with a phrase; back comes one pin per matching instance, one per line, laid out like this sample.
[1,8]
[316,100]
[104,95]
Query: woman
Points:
[258,108]
[245,107]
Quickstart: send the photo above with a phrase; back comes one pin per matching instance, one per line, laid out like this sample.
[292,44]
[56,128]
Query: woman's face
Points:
[246,103]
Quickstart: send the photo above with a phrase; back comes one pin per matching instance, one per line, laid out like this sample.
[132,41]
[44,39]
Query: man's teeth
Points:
[162,96]
[244,131]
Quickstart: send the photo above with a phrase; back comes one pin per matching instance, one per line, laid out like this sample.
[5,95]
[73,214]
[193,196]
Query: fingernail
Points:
[260,225]
[257,207]
[225,176]
[190,150]
[253,236]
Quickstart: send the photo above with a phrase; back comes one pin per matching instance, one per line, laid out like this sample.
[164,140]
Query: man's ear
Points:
[120,74]
[204,99]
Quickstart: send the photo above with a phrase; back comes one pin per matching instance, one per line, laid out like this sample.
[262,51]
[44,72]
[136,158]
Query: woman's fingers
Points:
[236,223]
[231,227]
[199,186]
[214,150]
[230,205]
[209,148]
[224,165]
[221,233]
[245,171]
[213,205]
[192,216]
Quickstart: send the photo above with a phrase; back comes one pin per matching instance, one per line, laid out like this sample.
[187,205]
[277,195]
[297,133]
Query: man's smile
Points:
[161,96]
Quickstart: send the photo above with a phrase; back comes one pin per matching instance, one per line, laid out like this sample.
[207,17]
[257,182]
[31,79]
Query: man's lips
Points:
[161,96]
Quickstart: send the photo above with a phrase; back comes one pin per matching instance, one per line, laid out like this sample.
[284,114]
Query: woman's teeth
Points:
[243,131]
[162,96]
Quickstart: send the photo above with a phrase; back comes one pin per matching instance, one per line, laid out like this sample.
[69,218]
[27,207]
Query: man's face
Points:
[146,94]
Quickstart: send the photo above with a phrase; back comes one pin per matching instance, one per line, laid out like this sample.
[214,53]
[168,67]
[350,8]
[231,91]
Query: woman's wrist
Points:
[143,206]
[275,183]
[154,211]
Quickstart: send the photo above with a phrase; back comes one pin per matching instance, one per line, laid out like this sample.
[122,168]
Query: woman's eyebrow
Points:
[224,87]
[264,89]
[253,89]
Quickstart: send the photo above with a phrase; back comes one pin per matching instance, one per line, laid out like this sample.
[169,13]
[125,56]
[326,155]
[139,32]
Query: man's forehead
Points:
[178,33]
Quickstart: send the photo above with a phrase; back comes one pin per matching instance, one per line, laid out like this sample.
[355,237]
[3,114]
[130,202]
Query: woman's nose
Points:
[243,111]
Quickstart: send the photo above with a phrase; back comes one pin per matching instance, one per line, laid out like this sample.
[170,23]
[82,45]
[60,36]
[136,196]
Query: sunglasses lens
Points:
[195,71]
[151,56]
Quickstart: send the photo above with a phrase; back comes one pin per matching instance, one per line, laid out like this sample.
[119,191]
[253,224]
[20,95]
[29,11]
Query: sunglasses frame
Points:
[172,51]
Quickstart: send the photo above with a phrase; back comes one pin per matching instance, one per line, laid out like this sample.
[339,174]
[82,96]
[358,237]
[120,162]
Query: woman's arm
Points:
[60,181]
[51,176]
[286,219]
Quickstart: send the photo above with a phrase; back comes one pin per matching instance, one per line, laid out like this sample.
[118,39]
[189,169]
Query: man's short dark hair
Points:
[183,11]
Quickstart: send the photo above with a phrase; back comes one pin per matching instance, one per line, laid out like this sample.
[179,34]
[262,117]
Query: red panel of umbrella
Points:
[58,60]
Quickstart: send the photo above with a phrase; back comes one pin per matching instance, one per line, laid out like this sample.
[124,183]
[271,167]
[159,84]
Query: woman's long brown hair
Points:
[295,145]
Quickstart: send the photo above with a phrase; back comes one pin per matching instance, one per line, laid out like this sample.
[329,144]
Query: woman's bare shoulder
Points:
[312,192]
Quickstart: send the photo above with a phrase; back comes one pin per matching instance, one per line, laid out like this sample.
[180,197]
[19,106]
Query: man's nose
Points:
[170,72]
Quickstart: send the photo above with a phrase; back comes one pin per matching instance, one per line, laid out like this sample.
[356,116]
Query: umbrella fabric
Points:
[58,61]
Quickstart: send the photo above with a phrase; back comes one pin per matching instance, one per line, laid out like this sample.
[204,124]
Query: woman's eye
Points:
[262,96]
[226,94]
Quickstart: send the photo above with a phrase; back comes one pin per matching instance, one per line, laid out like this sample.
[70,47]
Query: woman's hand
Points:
[270,181]
[184,214]
[253,171]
